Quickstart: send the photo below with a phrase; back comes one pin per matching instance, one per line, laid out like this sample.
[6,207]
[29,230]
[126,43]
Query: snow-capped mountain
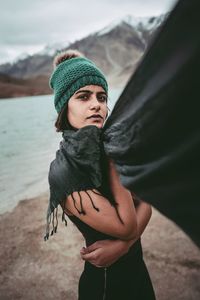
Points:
[138,23]
[116,49]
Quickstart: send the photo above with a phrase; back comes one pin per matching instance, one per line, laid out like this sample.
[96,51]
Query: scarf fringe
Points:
[52,221]
[52,213]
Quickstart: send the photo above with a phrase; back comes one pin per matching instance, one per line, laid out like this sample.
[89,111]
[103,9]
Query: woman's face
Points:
[88,106]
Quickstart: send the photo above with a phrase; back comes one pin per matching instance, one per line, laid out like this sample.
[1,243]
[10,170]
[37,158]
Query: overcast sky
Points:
[26,26]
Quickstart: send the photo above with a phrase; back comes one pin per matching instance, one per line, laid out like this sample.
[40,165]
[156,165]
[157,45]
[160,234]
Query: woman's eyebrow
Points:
[87,91]
[102,93]
[83,91]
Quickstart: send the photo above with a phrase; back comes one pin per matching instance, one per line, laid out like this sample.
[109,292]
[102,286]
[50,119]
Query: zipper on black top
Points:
[105,283]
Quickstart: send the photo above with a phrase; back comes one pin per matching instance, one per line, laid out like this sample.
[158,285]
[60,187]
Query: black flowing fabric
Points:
[153,133]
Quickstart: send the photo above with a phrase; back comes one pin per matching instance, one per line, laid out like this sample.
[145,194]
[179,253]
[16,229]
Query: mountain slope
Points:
[16,87]
[116,49]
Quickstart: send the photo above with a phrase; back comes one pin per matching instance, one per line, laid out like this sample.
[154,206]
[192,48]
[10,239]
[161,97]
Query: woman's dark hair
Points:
[62,122]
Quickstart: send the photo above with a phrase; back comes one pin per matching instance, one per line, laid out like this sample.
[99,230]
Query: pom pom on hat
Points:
[65,55]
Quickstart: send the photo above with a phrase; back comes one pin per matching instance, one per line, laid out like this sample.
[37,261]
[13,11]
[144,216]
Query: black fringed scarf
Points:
[77,167]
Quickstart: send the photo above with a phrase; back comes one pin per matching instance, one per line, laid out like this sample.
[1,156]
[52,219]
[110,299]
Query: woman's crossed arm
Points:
[97,212]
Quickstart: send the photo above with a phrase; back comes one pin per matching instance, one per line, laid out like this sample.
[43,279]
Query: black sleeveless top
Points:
[90,234]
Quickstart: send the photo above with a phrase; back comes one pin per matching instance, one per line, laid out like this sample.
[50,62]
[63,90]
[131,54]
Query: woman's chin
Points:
[97,123]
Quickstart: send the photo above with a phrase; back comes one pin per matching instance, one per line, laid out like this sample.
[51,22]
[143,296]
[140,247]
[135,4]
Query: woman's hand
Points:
[105,252]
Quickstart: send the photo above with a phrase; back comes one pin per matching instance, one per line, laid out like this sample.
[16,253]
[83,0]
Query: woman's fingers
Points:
[93,246]
[84,250]
[93,257]
[104,253]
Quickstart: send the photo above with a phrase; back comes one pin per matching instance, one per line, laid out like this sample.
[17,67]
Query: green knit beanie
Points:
[72,72]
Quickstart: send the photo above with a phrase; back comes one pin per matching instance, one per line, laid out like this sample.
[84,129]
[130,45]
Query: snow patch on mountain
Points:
[147,23]
[109,28]
[51,49]
[22,56]
[138,23]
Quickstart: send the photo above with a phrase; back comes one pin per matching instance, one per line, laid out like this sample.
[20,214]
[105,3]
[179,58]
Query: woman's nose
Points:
[94,103]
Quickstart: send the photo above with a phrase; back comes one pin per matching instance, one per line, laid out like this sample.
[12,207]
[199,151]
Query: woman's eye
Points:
[102,98]
[84,97]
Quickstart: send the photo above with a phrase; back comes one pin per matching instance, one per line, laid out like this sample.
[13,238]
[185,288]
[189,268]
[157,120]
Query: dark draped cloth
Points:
[153,133]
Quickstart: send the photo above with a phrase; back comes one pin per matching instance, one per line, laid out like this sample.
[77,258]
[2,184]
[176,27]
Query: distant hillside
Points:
[116,49]
[15,87]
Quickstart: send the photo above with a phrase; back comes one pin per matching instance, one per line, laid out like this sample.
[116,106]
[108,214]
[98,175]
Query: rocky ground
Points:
[33,269]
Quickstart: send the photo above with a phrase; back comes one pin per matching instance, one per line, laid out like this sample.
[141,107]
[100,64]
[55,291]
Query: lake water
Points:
[28,142]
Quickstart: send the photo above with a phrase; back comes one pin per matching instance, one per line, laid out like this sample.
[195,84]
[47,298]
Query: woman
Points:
[87,186]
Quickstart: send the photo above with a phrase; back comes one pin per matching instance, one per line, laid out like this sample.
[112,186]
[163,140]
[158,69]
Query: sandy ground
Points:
[32,269]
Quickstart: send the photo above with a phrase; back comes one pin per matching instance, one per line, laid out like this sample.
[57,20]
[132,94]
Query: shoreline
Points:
[33,269]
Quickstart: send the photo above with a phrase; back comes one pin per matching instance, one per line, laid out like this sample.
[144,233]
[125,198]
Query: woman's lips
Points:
[95,117]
